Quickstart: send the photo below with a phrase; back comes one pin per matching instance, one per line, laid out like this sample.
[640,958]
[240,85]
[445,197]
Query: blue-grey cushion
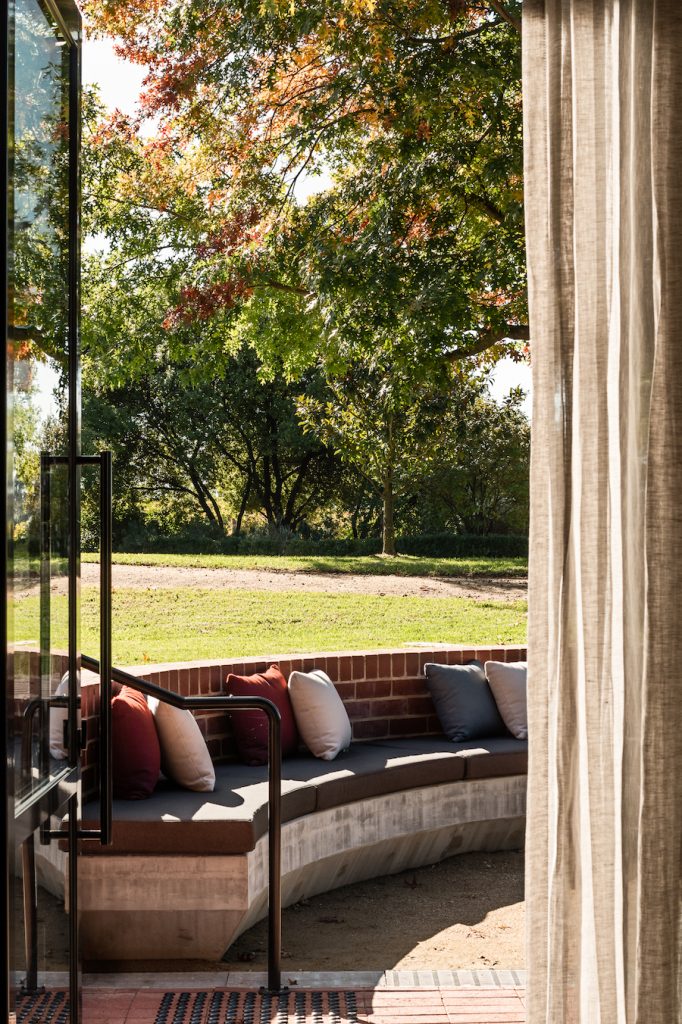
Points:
[463,701]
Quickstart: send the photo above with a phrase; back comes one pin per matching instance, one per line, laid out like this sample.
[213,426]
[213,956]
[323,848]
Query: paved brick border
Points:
[361,1006]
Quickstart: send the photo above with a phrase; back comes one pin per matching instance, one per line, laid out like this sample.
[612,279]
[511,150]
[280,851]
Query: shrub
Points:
[199,539]
[465,545]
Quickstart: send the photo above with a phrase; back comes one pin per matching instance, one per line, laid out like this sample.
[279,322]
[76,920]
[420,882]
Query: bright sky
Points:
[120,82]
[508,375]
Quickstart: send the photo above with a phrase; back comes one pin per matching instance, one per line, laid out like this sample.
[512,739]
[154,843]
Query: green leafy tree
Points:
[387,425]
[410,114]
[220,445]
[401,281]
[163,451]
[481,483]
[285,473]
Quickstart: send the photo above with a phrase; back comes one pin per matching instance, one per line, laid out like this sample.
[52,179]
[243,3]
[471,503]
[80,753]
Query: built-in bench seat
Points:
[234,817]
[187,872]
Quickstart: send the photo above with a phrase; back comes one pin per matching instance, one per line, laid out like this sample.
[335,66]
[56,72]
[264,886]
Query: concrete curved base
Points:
[182,907]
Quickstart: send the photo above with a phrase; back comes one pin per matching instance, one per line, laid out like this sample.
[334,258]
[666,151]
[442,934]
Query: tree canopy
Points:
[407,116]
[336,186]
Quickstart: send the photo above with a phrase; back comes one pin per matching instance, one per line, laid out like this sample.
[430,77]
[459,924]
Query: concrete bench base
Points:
[194,907]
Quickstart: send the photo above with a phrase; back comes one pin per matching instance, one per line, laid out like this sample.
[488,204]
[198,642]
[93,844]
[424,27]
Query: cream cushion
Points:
[184,755]
[58,717]
[507,681]
[321,718]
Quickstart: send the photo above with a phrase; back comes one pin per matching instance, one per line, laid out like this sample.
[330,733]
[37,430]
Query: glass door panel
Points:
[40,950]
[41,508]
[39,393]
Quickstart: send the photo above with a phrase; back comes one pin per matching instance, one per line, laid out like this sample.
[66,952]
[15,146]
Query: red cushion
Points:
[251,727]
[136,755]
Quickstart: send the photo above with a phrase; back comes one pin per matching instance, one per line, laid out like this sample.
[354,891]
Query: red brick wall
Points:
[384,691]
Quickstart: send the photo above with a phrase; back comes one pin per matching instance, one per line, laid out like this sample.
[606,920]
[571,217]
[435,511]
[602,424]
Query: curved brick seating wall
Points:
[384,691]
[187,872]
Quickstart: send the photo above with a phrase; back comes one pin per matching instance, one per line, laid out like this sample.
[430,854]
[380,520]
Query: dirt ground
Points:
[167,577]
[465,913]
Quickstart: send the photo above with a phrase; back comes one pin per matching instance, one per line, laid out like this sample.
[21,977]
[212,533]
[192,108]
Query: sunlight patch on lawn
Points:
[192,624]
[373,565]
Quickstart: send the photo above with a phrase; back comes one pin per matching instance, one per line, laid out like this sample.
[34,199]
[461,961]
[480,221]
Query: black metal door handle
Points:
[104,833]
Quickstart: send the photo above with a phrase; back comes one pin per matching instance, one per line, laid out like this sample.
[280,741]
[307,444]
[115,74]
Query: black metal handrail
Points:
[104,461]
[224,702]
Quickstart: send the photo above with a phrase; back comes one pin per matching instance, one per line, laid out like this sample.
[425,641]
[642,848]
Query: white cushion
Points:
[508,683]
[184,755]
[321,718]
[58,717]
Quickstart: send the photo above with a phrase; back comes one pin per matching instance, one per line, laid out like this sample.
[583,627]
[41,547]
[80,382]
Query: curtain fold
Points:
[603,173]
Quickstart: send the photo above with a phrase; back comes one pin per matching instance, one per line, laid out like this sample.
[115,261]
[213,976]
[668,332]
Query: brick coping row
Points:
[356,665]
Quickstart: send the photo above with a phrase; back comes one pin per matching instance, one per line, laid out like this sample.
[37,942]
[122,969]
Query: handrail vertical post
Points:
[105,748]
[274,851]
[104,666]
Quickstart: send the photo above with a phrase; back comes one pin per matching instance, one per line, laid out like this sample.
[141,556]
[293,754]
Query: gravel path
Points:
[170,578]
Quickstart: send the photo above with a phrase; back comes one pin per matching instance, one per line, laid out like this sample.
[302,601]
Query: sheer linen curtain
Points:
[603,137]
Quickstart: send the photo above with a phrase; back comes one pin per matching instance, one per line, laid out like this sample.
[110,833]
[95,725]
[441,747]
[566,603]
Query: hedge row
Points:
[436,545]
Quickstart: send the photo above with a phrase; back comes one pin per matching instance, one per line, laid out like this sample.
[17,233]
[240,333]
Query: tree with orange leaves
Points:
[402,116]
[328,180]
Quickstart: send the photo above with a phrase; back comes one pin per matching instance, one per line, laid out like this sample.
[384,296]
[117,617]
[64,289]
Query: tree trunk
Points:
[242,507]
[389,497]
[389,526]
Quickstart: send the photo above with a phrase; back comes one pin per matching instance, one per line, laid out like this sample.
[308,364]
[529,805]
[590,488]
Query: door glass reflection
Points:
[40,950]
[38,304]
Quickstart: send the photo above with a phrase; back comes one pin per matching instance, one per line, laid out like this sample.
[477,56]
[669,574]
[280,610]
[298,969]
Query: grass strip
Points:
[191,624]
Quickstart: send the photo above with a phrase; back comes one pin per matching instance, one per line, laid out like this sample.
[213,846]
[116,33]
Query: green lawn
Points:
[367,565]
[182,625]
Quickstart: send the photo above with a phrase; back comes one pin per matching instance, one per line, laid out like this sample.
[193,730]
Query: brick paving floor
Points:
[388,997]
[232,1006]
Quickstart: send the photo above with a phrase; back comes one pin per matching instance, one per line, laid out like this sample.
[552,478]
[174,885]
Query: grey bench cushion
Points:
[172,820]
[233,817]
[372,769]
[501,755]
[482,759]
